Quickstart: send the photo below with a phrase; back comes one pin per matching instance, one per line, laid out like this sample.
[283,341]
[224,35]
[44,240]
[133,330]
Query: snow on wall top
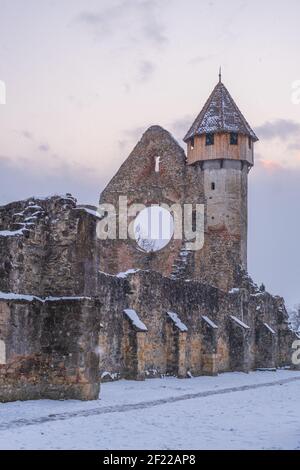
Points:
[270,329]
[135,320]
[89,211]
[240,322]
[13,296]
[234,290]
[124,274]
[33,202]
[220,114]
[176,320]
[12,233]
[19,217]
[31,298]
[209,321]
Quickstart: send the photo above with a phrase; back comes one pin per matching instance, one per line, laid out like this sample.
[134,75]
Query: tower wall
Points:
[226,192]
[225,185]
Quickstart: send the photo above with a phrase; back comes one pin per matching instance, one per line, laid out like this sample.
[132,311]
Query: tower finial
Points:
[220,75]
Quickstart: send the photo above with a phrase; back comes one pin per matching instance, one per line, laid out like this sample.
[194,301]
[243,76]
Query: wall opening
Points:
[153,228]
[2,352]
[192,143]
[213,186]
[157,164]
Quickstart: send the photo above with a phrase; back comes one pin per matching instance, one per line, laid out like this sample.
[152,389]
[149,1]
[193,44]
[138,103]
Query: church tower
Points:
[220,144]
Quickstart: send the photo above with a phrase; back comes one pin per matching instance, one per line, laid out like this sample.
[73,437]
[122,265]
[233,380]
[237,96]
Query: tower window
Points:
[249,142]
[233,138]
[213,186]
[209,139]
[192,143]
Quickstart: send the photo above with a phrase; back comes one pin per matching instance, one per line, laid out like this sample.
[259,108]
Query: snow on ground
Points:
[259,410]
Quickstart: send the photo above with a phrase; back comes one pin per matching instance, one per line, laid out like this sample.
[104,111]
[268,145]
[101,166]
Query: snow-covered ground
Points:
[260,410]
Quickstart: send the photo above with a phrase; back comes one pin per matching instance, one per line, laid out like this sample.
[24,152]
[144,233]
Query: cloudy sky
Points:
[85,78]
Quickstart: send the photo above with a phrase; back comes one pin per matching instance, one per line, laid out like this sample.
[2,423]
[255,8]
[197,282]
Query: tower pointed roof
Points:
[220,114]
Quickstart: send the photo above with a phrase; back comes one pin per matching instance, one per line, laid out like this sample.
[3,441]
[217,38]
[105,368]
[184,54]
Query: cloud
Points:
[44,148]
[283,129]
[23,178]
[145,70]
[99,23]
[200,59]
[294,146]
[180,126]
[135,133]
[269,165]
[27,135]
[178,129]
[131,137]
[136,19]
[127,87]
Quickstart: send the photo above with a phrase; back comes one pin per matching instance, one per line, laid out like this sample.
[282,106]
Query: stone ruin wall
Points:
[205,350]
[48,247]
[51,349]
[49,321]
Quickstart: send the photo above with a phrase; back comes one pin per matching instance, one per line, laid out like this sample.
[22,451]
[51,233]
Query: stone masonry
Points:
[75,310]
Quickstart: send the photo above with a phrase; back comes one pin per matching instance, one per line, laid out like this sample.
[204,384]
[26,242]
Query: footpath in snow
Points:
[259,410]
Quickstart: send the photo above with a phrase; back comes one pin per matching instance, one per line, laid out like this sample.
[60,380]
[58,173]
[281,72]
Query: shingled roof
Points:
[220,114]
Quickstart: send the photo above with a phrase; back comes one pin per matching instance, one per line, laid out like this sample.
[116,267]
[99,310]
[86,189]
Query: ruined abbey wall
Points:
[49,321]
[48,247]
[211,340]
[50,348]
[141,184]
[71,314]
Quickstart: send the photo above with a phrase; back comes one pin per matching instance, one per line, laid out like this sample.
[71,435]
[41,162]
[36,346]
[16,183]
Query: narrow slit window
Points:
[192,143]
[157,164]
[213,186]
[233,138]
[209,139]
[250,143]
[2,352]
